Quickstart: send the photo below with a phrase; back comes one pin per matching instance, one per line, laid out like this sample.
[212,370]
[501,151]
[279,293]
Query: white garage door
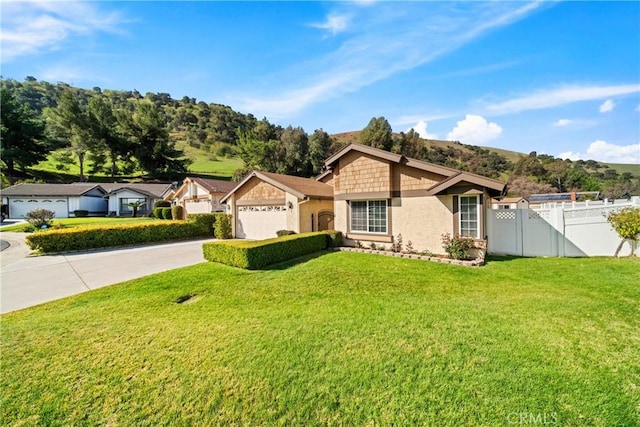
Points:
[18,208]
[197,206]
[260,222]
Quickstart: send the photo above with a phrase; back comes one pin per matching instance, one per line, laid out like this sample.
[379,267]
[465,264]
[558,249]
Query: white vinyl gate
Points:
[260,222]
[557,231]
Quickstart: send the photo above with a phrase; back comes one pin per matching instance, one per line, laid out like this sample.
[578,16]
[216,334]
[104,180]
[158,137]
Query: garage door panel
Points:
[18,208]
[260,222]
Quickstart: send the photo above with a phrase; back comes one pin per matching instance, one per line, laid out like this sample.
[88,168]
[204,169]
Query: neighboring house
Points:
[510,203]
[120,195]
[379,195]
[97,199]
[264,203]
[63,199]
[201,195]
[539,200]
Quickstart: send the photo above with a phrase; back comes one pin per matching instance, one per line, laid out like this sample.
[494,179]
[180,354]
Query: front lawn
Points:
[341,339]
[82,221]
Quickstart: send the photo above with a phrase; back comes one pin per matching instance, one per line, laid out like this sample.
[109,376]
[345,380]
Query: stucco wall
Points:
[312,207]
[359,173]
[422,220]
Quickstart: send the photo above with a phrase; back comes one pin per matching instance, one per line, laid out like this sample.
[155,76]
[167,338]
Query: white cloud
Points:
[421,129]
[474,130]
[555,97]
[603,151]
[562,122]
[32,27]
[607,106]
[381,44]
[334,24]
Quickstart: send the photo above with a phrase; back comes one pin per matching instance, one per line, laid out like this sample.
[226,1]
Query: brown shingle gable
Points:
[452,176]
[391,157]
[299,187]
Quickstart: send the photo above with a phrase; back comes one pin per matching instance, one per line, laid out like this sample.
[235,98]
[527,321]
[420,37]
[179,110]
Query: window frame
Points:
[124,208]
[477,219]
[367,219]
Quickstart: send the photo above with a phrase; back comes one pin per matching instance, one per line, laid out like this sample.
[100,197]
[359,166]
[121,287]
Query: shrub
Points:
[157,212]
[161,204]
[166,213]
[253,255]
[28,228]
[40,217]
[81,238]
[626,222]
[81,213]
[281,233]
[457,247]
[334,238]
[204,221]
[396,246]
[222,226]
[177,212]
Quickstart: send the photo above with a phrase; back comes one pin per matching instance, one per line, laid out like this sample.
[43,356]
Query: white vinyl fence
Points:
[560,230]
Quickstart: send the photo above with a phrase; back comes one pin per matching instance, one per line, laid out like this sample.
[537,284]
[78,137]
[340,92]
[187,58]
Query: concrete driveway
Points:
[28,281]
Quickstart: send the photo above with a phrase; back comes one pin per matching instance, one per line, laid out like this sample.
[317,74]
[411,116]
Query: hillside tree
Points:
[149,135]
[22,137]
[378,134]
[70,122]
[319,149]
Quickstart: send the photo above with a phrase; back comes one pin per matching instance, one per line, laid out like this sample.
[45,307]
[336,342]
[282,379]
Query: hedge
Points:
[177,212]
[253,255]
[80,238]
[166,213]
[207,221]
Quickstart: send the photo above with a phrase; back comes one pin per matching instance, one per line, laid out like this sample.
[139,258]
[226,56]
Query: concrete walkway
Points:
[28,281]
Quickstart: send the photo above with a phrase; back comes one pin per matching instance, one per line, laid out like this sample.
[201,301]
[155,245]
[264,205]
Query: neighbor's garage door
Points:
[260,222]
[18,208]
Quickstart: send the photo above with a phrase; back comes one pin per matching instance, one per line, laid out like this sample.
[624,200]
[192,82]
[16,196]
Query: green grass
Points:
[341,339]
[76,222]
[204,163]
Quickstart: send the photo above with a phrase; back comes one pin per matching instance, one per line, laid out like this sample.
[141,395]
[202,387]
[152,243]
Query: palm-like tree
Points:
[135,206]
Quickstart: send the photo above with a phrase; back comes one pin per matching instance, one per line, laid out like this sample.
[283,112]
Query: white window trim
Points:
[376,233]
[478,215]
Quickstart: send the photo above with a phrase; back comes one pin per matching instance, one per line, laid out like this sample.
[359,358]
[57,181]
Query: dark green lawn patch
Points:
[343,339]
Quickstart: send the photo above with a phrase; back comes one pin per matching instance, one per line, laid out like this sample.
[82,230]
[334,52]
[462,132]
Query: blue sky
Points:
[561,78]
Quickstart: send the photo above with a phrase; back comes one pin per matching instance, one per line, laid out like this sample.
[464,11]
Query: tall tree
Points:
[156,154]
[70,122]
[105,129]
[377,134]
[22,139]
[319,149]
[294,152]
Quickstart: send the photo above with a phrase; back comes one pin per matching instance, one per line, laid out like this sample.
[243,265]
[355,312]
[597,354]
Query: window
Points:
[369,216]
[124,204]
[469,224]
